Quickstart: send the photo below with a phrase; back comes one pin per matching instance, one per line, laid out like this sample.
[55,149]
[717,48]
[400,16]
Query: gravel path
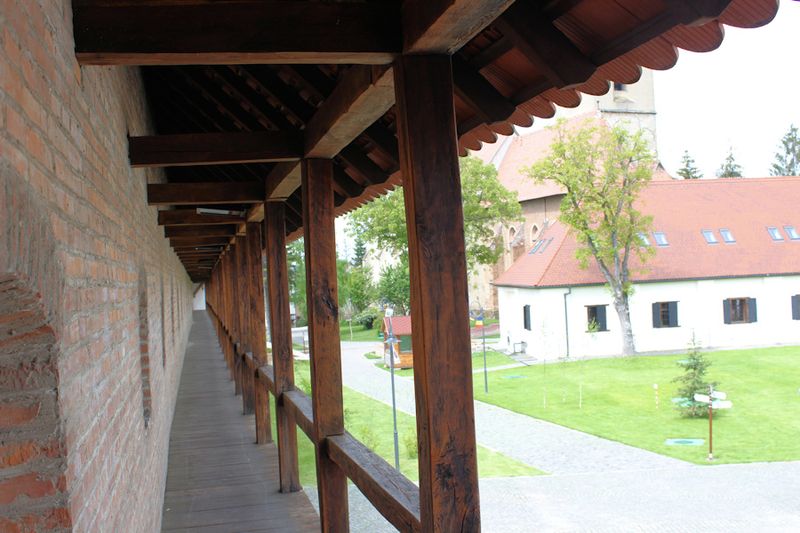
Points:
[549,447]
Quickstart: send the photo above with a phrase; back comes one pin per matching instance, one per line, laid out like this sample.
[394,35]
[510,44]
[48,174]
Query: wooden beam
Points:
[190,149]
[257,325]
[198,241]
[242,192]
[200,231]
[323,336]
[448,470]
[254,32]
[545,46]
[369,170]
[362,96]
[191,217]
[392,494]
[444,26]
[282,181]
[280,328]
[479,94]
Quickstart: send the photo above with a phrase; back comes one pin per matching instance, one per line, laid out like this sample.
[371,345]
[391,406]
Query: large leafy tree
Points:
[688,170]
[603,171]
[296,263]
[787,159]
[729,168]
[486,204]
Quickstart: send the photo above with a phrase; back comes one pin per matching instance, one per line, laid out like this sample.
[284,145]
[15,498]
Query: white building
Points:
[726,270]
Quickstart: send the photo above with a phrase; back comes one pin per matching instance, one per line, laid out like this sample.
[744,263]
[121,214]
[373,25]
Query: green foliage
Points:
[366,318]
[410,444]
[486,204]
[395,285]
[729,168]
[688,170]
[368,437]
[296,263]
[787,159]
[603,171]
[692,382]
[360,251]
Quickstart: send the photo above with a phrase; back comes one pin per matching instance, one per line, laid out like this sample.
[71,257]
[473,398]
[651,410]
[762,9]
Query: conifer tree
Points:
[787,159]
[730,168]
[688,171]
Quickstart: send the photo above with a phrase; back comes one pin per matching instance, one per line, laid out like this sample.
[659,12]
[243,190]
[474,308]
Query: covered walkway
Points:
[218,478]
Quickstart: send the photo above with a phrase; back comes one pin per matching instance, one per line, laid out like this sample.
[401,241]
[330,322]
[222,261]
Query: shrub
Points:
[410,444]
[368,437]
[366,319]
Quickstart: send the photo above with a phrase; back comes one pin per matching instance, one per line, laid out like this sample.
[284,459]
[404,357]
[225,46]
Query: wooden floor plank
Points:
[218,478]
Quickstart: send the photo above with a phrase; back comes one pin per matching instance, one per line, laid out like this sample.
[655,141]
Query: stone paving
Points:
[595,484]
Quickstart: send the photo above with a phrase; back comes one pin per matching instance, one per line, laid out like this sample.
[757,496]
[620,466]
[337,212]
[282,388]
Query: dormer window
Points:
[727,236]
[661,238]
[775,233]
[792,233]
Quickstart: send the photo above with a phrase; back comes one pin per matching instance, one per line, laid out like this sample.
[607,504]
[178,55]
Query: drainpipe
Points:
[566,318]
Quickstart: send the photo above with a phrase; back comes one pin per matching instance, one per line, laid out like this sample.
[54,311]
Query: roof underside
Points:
[318,76]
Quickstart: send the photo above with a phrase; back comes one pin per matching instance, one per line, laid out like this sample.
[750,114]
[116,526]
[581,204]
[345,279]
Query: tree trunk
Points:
[623,311]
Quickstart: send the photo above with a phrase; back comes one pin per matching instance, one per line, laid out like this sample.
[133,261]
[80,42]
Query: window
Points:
[534,233]
[536,247]
[792,233]
[545,245]
[596,318]
[796,307]
[709,236]
[526,317]
[661,238]
[775,233]
[619,86]
[665,314]
[727,236]
[739,310]
[644,239]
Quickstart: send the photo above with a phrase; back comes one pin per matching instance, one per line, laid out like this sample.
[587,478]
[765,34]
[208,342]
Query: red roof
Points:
[682,209]
[514,154]
[401,325]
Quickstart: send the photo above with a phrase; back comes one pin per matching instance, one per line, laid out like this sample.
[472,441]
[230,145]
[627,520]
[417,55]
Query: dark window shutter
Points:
[656,315]
[673,314]
[601,318]
[751,309]
[726,311]
[796,307]
[526,317]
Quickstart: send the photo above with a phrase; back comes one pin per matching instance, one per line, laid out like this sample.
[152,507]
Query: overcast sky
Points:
[743,95]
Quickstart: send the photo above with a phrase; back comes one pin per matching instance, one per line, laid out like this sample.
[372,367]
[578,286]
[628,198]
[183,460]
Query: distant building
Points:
[400,328]
[631,105]
[726,270]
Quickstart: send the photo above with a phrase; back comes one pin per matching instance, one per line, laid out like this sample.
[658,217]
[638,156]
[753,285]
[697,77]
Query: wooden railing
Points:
[389,491]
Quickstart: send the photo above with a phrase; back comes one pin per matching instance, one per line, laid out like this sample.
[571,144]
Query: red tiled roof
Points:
[681,209]
[401,325]
[524,150]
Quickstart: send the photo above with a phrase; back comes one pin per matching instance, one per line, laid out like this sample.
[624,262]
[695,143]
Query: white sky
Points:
[745,94]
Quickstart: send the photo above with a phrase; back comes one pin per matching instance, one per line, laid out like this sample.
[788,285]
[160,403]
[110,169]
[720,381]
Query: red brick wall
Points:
[88,366]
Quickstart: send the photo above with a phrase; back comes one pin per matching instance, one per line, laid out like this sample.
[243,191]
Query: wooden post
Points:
[258,329]
[236,303]
[323,336]
[247,373]
[281,335]
[448,473]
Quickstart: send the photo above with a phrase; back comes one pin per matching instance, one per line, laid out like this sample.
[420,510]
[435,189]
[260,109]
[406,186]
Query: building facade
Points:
[725,273]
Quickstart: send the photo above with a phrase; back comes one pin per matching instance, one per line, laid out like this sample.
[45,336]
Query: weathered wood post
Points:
[323,336]
[258,329]
[448,472]
[281,335]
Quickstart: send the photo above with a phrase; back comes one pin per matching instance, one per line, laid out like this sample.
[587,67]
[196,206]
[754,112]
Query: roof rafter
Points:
[204,193]
[244,32]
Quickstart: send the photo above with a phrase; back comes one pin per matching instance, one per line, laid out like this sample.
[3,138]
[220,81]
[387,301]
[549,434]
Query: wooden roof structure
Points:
[241,90]
[274,117]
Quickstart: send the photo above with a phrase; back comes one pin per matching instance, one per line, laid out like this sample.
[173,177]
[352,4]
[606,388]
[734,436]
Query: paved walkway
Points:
[595,484]
[549,447]
[218,480]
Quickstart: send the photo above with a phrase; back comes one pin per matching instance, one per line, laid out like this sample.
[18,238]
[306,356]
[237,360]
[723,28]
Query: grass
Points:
[371,422]
[493,359]
[359,333]
[618,402]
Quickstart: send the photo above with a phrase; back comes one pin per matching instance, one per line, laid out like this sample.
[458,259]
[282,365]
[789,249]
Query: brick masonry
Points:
[94,306]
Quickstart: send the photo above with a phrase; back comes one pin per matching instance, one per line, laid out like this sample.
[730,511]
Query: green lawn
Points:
[493,359]
[618,402]
[371,422]
[359,333]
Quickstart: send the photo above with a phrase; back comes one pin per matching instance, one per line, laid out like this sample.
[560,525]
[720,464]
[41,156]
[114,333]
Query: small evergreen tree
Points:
[730,168]
[693,382]
[787,160]
[688,171]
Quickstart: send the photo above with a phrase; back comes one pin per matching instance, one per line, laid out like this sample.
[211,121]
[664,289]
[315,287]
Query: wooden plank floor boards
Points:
[218,480]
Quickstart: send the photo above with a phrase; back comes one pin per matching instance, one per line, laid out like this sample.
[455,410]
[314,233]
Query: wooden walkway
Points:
[218,480]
